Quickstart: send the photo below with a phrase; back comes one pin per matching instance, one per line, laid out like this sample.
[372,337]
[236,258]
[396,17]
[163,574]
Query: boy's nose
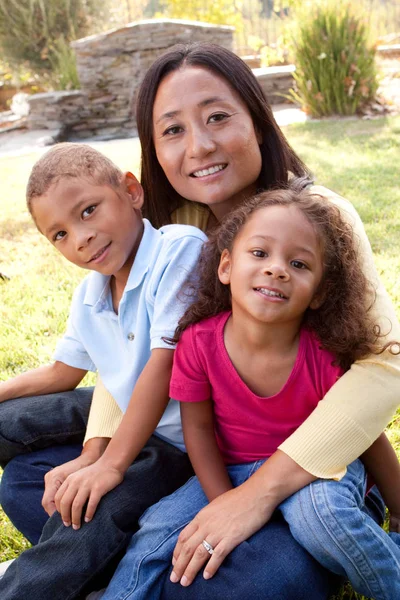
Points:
[83,238]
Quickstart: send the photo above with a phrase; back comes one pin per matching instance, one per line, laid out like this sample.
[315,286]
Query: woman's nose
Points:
[201,143]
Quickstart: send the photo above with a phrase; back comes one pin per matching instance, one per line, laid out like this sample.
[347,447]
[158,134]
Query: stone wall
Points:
[110,67]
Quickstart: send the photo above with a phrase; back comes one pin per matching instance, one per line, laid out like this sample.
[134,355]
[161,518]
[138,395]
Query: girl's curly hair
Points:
[342,322]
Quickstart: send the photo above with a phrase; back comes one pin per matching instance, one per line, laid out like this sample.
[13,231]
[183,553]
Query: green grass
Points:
[357,158]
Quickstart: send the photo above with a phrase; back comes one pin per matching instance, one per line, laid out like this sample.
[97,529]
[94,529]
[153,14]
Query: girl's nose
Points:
[277,271]
[201,143]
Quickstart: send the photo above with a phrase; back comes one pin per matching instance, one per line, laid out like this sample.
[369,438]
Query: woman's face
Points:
[205,139]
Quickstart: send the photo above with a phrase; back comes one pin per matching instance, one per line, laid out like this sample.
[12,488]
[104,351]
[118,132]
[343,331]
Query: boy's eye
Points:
[217,117]
[88,211]
[59,236]
[173,130]
[298,264]
[259,253]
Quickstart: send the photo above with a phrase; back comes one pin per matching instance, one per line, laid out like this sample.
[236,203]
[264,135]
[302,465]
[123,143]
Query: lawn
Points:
[356,158]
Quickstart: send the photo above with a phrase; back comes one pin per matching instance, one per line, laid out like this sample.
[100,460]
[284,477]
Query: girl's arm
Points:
[381,462]
[198,431]
[146,406]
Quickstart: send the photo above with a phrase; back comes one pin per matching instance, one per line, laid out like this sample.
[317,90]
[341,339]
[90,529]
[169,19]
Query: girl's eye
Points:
[217,117]
[297,264]
[59,236]
[259,253]
[88,211]
[173,130]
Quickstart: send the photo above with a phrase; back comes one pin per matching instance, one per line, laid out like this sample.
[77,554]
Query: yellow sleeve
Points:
[191,213]
[105,415]
[358,407]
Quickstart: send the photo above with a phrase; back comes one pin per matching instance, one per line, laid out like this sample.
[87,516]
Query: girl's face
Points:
[275,267]
[205,139]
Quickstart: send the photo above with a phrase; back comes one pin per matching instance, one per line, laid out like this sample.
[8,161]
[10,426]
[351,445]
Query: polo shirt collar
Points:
[98,284]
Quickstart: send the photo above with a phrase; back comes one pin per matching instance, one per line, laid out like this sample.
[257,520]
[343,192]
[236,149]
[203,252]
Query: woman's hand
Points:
[226,522]
[87,485]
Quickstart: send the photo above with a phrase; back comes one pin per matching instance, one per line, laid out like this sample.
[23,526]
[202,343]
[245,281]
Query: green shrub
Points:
[64,74]
[335,64]
[28,28]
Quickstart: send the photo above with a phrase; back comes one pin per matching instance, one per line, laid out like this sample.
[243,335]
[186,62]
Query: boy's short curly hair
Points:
[69,160]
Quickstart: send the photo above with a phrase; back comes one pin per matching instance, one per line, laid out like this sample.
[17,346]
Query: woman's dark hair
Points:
[342,322]
[278,158]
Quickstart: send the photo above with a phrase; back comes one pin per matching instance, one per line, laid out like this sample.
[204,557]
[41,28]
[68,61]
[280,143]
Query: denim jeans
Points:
[65,564]
[270,565]
[328,518]
[37,434]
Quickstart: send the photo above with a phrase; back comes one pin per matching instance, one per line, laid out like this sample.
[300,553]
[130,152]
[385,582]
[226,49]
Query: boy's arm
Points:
[57,377]
[201,444]
[147,404]
[382,463]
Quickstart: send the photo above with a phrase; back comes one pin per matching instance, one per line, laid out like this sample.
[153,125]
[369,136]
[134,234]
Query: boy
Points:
[119,318]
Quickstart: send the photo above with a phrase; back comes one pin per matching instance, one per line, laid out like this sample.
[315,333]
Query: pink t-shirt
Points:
[248,427]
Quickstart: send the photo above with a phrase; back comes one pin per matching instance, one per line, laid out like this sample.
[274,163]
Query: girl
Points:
[277,321]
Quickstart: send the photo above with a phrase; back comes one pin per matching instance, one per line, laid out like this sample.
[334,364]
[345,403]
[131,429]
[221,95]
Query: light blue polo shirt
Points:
[119,346]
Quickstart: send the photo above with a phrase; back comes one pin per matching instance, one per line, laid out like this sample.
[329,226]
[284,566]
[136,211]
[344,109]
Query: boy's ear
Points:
[224,269]
[134,189]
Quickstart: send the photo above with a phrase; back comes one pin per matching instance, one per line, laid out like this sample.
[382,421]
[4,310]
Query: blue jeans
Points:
[66,564]
[328,518]
[36,435]
[271,564]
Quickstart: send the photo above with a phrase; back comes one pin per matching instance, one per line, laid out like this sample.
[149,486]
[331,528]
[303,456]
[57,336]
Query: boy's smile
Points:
[95,227]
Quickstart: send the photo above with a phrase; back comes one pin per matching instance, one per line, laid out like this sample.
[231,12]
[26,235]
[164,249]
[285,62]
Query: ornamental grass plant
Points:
[335,61]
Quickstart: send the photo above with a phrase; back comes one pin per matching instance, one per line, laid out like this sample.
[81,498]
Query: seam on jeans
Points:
[337,542]
[154,507]
[131,591]
[55,434]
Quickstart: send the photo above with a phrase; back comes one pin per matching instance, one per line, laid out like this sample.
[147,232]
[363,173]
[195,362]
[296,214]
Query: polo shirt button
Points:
[131,336]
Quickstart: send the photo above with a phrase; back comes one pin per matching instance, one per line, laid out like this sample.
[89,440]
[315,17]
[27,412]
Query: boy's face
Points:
[94,226]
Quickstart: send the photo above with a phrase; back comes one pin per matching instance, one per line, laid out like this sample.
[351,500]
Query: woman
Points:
[209,140]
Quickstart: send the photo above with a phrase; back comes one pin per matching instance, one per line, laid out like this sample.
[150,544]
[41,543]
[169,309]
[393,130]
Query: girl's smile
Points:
[205,139]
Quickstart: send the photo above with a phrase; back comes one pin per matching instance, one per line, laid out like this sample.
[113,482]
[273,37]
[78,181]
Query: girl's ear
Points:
[134,189]
[318,300]
[224,269]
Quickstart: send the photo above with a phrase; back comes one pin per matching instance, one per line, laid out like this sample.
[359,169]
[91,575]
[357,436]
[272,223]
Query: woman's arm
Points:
[198,432]
[381,462]
[236,515]
[105,415]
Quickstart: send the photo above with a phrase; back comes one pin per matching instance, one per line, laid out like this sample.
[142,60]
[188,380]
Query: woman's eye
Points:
[59,236]
[298,264]
[217,117]
[173,130]
[88,211]
[259,253]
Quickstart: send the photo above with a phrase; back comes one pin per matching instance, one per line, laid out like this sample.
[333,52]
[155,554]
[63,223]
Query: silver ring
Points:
[208,547]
